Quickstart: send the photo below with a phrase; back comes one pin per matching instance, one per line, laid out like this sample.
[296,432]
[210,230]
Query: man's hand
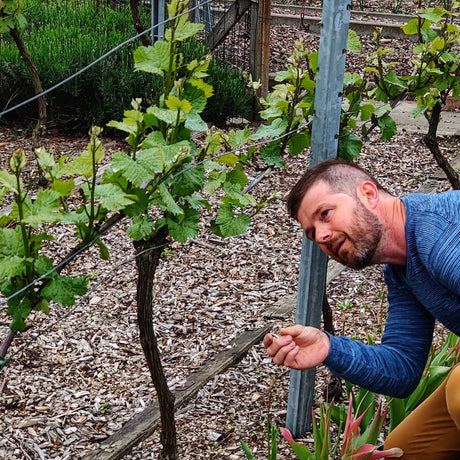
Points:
[298,347]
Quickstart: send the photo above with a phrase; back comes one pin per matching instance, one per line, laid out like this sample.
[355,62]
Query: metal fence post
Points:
[157,18]
[313,262]
[207,18]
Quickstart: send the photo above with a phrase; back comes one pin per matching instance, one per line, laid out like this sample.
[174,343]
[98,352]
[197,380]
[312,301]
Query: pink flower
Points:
[287,435]
[366,449]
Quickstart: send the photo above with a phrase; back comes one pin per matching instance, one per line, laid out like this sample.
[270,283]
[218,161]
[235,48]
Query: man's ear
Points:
[368,194]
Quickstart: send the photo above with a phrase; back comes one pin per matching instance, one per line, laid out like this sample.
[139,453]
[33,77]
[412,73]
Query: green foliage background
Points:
[65,36]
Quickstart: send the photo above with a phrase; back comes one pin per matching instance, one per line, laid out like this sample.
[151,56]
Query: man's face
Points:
[342,226]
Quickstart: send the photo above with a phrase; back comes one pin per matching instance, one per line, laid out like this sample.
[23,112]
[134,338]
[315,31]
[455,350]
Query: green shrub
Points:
[231,96]
[64,37]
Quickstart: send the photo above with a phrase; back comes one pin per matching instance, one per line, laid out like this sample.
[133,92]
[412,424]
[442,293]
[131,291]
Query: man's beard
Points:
[365,237]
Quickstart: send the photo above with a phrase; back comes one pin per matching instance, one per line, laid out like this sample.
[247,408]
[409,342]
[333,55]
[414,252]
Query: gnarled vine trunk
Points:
[148,253]
[431,142]
[137,21]
[42,114]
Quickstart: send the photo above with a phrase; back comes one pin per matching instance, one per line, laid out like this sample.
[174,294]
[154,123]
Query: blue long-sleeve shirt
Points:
[427,288]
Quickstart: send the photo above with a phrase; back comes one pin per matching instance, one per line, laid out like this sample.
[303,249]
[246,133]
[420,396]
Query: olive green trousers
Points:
[432,430]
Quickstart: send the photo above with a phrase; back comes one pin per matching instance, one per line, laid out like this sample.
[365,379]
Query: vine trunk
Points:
[148,254]
[432,143]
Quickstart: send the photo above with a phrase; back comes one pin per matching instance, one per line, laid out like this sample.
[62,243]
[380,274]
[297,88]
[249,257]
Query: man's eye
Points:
[325,213]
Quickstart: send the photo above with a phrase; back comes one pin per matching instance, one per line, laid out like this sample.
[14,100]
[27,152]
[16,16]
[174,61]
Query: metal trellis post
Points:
[313,262]
[207,18]
[157,18]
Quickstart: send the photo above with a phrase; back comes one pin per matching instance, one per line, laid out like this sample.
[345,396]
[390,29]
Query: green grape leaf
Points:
[153,140]
[176,104]
[195,123]
[433,14]
[277,128]
[271,112]
[215,180]
[411,27]
[184,30]
[168,203]
[238,176]
[45,159]
[43,306]
[349,146]
[189,181]
[131,121]
[11,252]
[133,170]
[298,143]
[271,154]
[111,197]
[43,265]
[176,153]
[140,205]
[152,59]
[367,111]
[152,159]
[239,137]
[188,227]
[229,159]
[197,202]
[229,224]
[204,87]
[235,197]
[84,164]
[6,24]
[125,126]
[392,78]
[81,165]
[353,42]
[74,218]
[19,312]
[140,228]
[45,208]
[387,126]
[9,181]
[167,115]
[63,290]
[63,188]
[196,97]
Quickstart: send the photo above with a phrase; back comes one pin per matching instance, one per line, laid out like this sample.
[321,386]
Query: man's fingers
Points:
[283,354]
[268,340]
[293,331]
[274,344]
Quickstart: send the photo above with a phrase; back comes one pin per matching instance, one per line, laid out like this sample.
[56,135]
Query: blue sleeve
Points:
[395,366]
[443,260]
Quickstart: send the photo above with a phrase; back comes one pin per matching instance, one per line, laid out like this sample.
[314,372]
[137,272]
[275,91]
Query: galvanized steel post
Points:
[324,144]
[157,20]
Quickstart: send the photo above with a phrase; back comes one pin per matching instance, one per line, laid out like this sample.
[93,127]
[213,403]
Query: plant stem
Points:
[148,256]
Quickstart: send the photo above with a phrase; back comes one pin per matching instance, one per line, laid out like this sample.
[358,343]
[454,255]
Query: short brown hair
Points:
[340,175]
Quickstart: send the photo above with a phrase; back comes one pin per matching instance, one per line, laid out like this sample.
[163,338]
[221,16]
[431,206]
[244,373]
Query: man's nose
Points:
[323,235]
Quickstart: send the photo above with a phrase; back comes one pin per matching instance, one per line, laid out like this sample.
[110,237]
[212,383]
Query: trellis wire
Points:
[104,56]
[89,244]
[226,52]
[80,301]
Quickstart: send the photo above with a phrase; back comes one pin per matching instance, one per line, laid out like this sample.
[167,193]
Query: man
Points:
[357,222]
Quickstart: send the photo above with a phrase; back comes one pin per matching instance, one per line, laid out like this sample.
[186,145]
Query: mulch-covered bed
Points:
[77,375]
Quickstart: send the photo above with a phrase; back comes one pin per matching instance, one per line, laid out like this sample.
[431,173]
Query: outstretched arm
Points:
[393,367]
[298,347]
